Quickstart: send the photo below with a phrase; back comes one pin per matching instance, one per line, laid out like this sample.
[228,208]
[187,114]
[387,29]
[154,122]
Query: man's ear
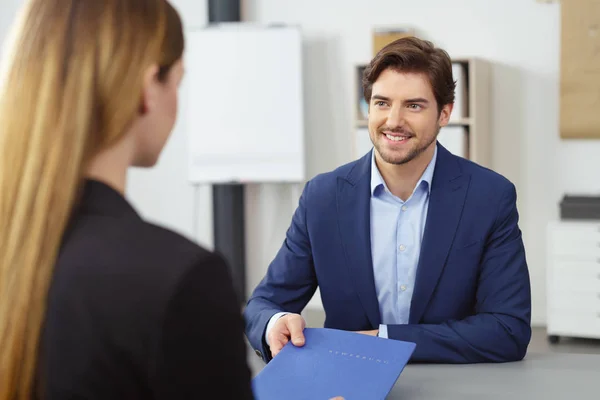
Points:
[149,89]
[445,113]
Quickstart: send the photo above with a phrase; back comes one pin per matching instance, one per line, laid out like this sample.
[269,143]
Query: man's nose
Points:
[395,118]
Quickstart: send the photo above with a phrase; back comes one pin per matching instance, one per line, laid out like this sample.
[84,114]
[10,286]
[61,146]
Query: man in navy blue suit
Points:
[409,242]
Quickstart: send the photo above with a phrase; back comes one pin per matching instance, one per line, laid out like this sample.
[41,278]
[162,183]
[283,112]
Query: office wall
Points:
[7,14]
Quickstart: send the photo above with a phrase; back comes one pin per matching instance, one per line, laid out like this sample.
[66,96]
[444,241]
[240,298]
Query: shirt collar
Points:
[426,178]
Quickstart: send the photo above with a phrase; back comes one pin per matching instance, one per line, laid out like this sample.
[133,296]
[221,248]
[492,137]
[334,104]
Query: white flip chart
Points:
[245,104]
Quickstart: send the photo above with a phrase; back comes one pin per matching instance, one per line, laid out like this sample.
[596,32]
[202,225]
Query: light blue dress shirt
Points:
[396,232]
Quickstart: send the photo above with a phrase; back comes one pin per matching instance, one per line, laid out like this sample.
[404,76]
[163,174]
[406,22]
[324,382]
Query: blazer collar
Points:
[99,198]
[425,179]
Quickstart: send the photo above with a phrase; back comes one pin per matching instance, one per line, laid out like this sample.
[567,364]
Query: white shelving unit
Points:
[468,133]
[573,280]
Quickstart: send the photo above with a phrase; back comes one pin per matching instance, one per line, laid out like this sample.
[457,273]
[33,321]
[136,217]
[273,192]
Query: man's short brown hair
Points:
[411,54]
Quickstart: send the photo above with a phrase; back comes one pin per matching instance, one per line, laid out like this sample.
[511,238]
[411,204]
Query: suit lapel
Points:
[354,216]
[446,202]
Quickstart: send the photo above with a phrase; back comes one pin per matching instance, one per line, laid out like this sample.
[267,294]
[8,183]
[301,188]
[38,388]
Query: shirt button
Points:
[404,208]
[402,247]
[403,287]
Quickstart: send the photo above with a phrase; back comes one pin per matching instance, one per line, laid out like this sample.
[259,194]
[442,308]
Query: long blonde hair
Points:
[70,86]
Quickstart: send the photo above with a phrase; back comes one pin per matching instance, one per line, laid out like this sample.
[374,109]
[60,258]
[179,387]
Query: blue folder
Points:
[334,363]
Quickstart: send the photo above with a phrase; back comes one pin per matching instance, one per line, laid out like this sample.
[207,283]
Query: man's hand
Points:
[290,326]
[372,333]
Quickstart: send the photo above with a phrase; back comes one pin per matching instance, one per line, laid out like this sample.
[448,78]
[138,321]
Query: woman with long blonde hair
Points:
[95,302]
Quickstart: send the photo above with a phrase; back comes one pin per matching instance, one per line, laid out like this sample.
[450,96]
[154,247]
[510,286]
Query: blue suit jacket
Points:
[472,300]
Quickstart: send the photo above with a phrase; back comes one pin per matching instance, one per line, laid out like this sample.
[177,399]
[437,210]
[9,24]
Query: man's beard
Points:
[391,157]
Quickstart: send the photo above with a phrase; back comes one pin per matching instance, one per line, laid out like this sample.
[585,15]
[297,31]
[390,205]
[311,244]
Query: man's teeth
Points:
[396,138]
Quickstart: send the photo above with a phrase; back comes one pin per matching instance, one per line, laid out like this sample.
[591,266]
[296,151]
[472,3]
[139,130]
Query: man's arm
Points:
[289,283]
[500,330]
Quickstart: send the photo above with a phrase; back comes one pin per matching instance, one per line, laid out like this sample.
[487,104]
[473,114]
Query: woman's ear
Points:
[149,89]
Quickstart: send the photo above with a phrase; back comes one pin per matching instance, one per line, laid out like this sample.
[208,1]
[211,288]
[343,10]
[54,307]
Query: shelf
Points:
[460,122]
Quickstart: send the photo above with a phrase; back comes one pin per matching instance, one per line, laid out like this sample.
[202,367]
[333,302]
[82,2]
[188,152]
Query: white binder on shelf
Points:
[460,109]
[245,112]
[454,139]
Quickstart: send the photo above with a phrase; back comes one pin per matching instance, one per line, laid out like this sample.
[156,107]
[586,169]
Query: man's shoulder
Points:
[485,179]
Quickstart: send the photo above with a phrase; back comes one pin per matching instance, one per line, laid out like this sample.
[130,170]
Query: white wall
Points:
[8,11]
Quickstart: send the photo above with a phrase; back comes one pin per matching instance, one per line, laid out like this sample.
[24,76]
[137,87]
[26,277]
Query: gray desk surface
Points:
[546,376]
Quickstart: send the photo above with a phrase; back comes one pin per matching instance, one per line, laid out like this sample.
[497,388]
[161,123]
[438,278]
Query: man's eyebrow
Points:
[379,97]
[412,100]
[417,100]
